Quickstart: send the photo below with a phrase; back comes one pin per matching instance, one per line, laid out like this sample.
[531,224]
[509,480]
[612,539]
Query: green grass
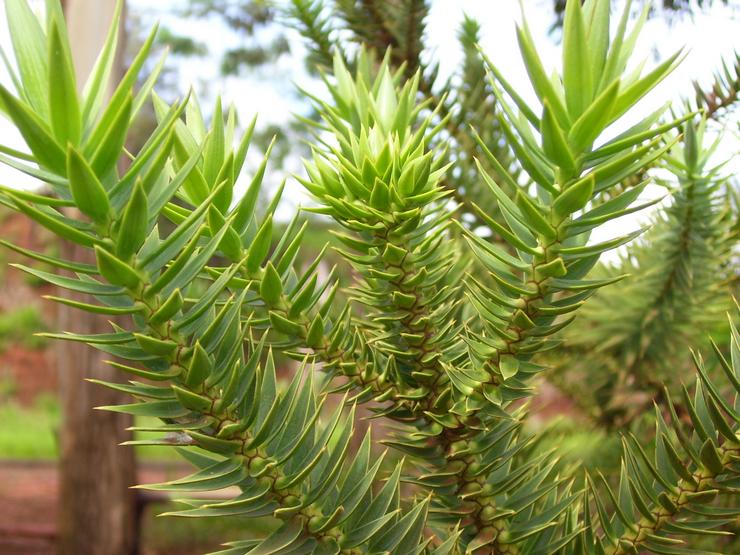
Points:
[197,535]
[29,432]
[19,326]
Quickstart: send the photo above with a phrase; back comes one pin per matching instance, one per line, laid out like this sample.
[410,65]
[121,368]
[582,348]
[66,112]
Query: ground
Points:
[28,494]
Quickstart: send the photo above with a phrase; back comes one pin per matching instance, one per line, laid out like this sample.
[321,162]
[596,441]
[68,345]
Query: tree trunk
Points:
[97,508]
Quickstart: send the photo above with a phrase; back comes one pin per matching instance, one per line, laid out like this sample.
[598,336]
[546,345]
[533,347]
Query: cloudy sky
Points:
[709,35]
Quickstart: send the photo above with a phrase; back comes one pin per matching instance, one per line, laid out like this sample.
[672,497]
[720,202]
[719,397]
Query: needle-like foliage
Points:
[442,330]
[679,276]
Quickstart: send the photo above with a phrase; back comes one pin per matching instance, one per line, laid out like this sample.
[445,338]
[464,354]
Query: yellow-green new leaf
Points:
[191,400]
[46,150]
[315,334]
[108,151]
[534,218]
[134,224]
[213,154]
[115,270]
[63,103]
[283,325]
[200,366]
[231,244]
[56,223]
[28,41]
[122,95]
[168,308]
[632,93]
[574,197]
[592,122]
[612,68]
[87,191]
[554,142]
[155,346]
[690,146]
[577,75]
[538,76]
[597,24]
[387,102]
[271,287]
[260,246]
[555,268]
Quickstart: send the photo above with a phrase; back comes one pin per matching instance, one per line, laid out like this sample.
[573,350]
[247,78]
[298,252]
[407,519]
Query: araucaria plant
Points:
[440,335]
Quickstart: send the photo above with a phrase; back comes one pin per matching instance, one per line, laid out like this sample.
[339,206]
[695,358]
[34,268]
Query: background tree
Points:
[670,8]
[97,509]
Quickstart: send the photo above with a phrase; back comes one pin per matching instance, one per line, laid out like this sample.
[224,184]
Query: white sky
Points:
[709,35]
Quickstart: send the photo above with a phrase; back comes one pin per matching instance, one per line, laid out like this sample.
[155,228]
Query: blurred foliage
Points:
[252,21]
[719,98]
[247,20]
[581,446]
[631,340]
[670,8]
[20,326]
[180,45]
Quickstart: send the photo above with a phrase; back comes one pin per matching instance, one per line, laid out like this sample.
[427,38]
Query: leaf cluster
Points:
[445,354]
[680,273]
